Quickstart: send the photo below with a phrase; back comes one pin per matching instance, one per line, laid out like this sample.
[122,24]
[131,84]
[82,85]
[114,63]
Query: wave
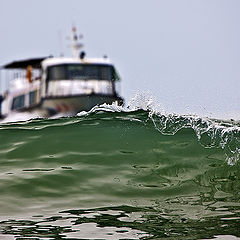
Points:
[211,133]
[133,172]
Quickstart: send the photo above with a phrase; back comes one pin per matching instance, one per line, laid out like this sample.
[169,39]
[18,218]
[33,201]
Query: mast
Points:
[76,45]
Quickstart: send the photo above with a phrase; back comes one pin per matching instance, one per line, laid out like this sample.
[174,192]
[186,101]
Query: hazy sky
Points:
[186,53]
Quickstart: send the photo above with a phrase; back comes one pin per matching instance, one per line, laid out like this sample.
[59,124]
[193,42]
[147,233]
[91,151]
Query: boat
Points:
[49,86]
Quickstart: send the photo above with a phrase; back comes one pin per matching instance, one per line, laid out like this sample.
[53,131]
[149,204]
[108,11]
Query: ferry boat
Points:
[60,85]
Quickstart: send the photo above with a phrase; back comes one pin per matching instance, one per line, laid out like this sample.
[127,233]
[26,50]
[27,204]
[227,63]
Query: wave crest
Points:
[211,133]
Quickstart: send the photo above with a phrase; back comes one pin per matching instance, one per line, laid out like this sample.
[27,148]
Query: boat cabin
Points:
[66,77]
[51,78]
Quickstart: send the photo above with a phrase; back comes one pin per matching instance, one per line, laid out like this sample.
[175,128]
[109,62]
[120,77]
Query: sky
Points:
[185,54]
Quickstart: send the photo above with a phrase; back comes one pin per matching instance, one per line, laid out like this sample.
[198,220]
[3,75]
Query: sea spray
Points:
[210,133]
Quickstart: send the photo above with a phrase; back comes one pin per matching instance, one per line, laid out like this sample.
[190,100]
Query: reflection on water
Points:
[178,219]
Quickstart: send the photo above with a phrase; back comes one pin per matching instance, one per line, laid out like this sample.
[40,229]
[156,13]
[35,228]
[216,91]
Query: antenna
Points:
[76,46]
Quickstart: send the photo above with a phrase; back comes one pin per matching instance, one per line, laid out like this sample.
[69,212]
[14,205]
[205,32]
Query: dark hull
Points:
[68,105]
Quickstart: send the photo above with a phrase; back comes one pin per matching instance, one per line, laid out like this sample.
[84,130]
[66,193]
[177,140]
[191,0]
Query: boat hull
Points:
[74,104]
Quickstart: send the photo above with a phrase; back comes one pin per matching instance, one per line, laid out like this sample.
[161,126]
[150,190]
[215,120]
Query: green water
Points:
[119,175]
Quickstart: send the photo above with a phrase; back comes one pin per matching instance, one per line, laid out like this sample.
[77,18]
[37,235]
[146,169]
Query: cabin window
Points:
[32,98]
[18,102]
[81,72]
[57,73]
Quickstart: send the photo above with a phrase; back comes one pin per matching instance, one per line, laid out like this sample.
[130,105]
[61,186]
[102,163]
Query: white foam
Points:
[19,117]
